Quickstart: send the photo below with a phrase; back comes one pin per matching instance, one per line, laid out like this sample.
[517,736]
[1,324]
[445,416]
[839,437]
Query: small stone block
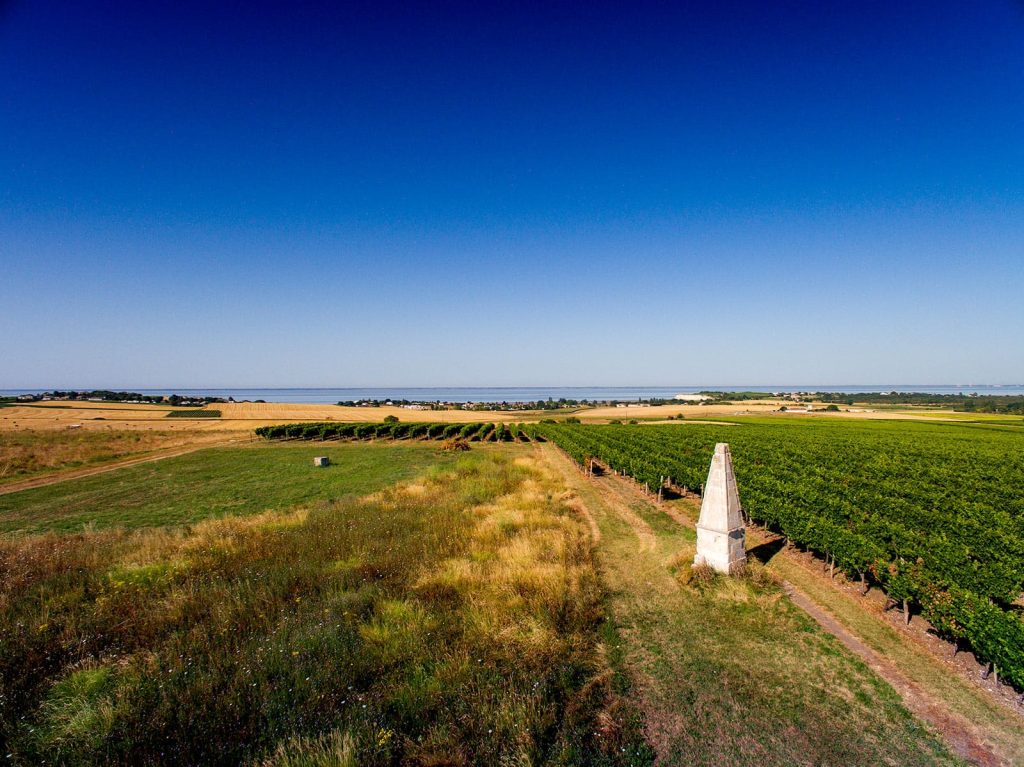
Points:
[321,460]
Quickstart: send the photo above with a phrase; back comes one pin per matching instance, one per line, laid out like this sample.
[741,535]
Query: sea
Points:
[512,394]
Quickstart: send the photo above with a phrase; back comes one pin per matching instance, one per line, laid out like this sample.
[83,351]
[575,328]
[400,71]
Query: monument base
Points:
[725,552]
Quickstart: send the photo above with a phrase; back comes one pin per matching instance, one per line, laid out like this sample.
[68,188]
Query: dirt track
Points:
[52,479]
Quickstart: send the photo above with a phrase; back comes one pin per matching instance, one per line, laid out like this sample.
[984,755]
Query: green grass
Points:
[193,414]
[211,483]
[453,619]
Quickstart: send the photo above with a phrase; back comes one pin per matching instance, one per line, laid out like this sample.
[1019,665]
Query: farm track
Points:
[621,496]
[960,735]
[62,476]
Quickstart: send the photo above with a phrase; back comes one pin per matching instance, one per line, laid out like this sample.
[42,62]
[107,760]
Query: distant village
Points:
[122,397]
[545,404]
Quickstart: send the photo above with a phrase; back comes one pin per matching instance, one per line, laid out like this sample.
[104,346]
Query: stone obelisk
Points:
[720,529]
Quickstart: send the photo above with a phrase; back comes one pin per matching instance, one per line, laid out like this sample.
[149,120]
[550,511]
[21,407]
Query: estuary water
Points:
[528,393]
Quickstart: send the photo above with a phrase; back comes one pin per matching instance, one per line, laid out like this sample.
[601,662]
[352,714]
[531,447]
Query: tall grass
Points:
[450,620]
[27,453]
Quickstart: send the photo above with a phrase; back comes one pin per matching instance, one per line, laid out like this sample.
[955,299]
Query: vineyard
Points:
[194,414]
[933,514]
[473,432]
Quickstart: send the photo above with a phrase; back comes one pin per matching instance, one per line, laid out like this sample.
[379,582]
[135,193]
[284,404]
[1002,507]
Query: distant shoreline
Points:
[455,394]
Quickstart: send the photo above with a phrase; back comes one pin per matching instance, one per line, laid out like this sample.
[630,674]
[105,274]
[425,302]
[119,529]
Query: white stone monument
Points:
[720,530]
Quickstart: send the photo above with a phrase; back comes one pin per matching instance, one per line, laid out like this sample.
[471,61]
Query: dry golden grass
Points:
[98,416]
[25,453]
[235,416]
[245,416]
[286,412]
[457,613]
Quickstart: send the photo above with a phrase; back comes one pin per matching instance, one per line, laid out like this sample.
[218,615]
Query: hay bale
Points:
[321,460]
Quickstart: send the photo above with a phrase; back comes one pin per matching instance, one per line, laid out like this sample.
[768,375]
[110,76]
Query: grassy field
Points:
[448,619]
[408,605]
[25,454]
[210,483]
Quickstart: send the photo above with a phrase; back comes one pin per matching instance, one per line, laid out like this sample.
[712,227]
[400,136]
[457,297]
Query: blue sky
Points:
[537,194]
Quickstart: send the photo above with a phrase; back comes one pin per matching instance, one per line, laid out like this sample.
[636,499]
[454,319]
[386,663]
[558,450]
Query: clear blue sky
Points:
[285,194]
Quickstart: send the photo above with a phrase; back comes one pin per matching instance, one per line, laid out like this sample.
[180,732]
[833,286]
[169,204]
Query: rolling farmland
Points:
[931,513]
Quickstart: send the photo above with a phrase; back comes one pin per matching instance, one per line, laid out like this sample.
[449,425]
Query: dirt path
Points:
[958,733]
[52,479]
[636,560]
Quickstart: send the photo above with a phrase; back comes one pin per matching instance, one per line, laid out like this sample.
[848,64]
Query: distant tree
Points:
[391,419]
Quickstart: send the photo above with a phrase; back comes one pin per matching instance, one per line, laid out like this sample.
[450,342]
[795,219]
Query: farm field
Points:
[932,513]
[25,454]
[215,482]
[406,605]
[242,417]
[449,617]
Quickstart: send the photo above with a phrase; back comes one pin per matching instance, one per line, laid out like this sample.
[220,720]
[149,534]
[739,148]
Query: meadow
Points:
[25,454]
[215,482]
[411,604]
[449,617]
